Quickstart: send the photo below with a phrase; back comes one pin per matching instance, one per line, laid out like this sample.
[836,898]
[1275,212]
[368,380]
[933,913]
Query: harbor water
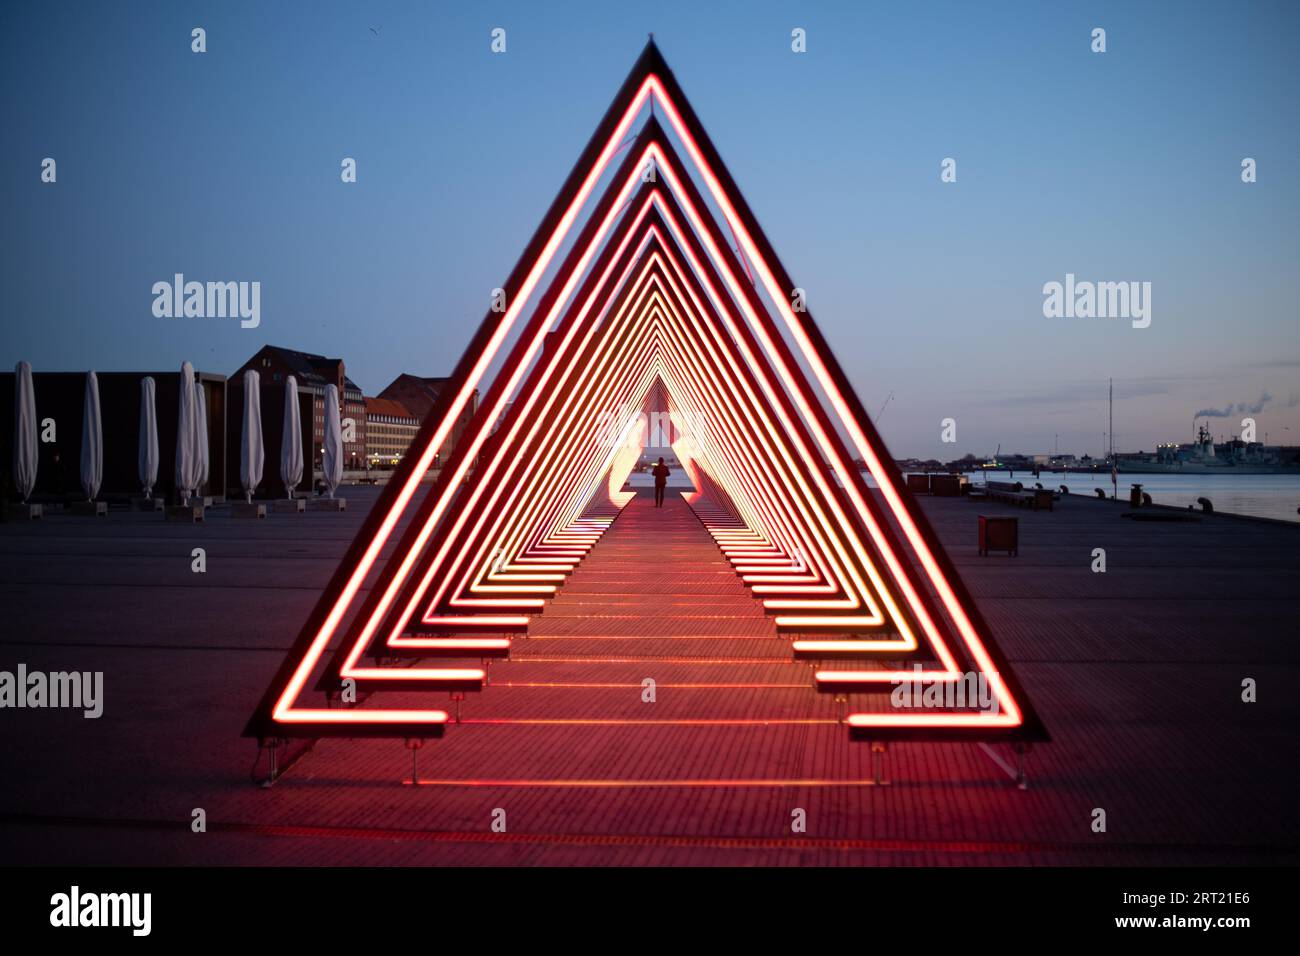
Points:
[1264,496]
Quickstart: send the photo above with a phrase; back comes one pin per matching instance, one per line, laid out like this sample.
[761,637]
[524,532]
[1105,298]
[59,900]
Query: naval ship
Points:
[1204,457]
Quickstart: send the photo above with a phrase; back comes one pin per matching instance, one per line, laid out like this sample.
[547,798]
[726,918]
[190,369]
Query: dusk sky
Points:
[1115,166]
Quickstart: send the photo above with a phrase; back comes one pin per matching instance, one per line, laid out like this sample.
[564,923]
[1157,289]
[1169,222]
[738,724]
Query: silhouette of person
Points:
[661,474]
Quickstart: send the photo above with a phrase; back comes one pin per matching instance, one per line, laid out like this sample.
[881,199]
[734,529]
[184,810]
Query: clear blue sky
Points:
[1115,166]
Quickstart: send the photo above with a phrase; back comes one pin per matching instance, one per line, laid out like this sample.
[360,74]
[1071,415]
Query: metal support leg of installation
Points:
[878,763]
[272,745]
[1015,771]
[1022,776]
[414,744]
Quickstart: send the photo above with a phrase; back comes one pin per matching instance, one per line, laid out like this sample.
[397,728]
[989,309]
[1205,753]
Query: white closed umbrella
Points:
[251,454]
[187,464]
[200,436]
[333,456]
[92,440]
[24,430]
[148,436]
[291,439]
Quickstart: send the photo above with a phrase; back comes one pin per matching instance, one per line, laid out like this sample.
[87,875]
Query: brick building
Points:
[417,394]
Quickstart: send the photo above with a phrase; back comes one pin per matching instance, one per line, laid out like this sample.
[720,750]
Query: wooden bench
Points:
[1013,492]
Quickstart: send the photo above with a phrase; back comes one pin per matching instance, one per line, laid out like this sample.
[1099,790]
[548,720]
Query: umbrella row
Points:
[192,459]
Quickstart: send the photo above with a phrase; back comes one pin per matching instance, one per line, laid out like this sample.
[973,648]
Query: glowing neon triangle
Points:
[281,714]
[532,462]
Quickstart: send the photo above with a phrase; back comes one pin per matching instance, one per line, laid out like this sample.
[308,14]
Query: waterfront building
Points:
[390,429]
[417,394]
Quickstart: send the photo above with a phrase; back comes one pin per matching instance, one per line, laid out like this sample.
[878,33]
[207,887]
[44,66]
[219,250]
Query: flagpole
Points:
[1114,471]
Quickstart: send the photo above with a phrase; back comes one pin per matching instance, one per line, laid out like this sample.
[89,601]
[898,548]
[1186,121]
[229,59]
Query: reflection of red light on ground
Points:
[665,722]
[658,659]
[641,637]
[610,784]
[662,685]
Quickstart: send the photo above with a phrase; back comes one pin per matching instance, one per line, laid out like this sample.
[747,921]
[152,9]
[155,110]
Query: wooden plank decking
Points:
[1137,673]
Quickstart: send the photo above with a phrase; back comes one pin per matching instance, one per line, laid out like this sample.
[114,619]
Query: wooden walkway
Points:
[1136,672]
